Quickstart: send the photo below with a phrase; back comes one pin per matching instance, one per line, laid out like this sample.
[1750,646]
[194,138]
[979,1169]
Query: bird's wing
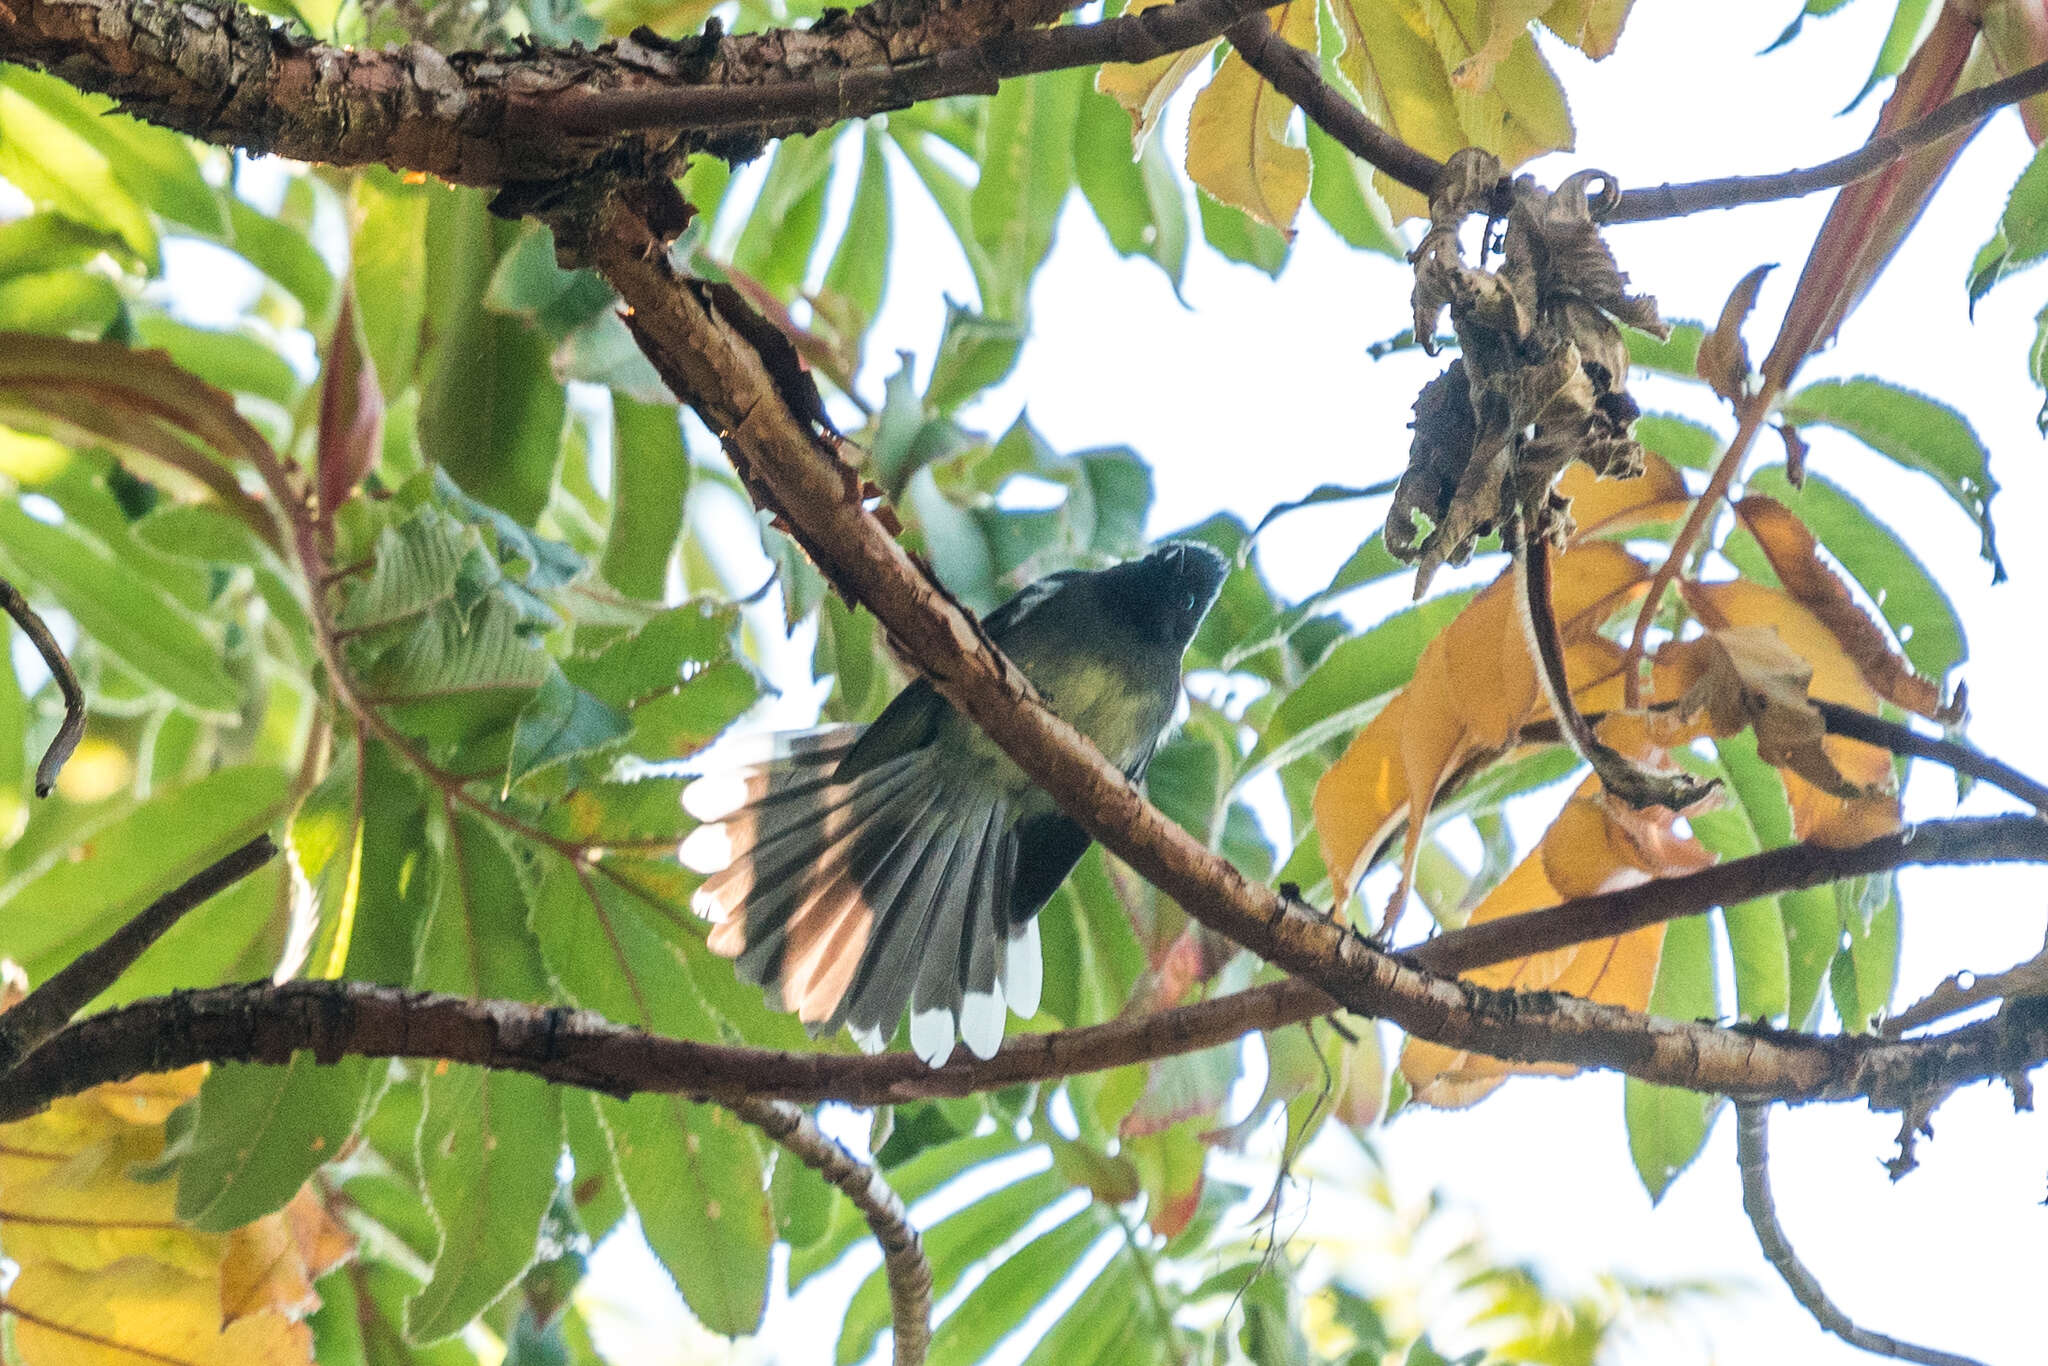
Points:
[853,897]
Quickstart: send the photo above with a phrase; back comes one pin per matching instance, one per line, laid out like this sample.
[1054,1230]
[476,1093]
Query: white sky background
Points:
[1258,391]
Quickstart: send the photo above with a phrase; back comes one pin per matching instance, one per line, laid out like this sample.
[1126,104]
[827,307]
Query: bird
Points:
[855,872]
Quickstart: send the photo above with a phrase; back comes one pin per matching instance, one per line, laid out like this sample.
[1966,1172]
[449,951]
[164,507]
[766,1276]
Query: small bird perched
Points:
[854,871]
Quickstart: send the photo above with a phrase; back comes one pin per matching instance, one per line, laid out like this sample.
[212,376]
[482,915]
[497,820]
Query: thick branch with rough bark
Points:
[219,71]
[267,1023]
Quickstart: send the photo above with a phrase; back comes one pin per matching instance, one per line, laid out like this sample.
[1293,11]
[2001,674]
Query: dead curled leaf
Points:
[1746,676]
[1795,558]
[1541,379]
[1723,360]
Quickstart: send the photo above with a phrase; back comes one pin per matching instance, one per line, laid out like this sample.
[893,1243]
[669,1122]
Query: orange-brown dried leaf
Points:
[1474,689]
[1746,676]
[1595,845]
[1795,558]
[1817,815]
[1723,359]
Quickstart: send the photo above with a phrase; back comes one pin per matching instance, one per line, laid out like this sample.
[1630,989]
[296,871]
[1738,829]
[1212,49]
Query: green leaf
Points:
[675,725]
[130,618]
[1340,188]
[2021,238]
[655,658]
[1811,927]
[953,1246]
[1017,1285]
[153,164]
[1140,203]
[283,253]
[491,411]
[1864,977]
[1909,21]
[650,481]
[691,1171]
[528,285]
[1027,167]
[263,1130]
[74,897]
[1910,598]
[64,303]
[859,272]
[975,353]
[1677,356]
[1240,238]
[1685,443]
[1757,939]
[559,721]
[61,170]
[1917,432]
[802,1201]
[390,261]
[782,229]
[235,361]
[1346,689]
[490,1141]
[43,242]
[953,540]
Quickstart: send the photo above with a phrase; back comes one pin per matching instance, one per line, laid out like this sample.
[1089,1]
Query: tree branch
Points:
[267,1023]
[1294,73]
[44,1011]
[818,102]
[903,1259]
[73,728]
[1955,116]
[216,70]
[1752,1157]
[1875,730]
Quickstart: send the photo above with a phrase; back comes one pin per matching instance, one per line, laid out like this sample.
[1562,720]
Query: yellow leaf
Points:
[1795,557]
[1591,26]
[1237,135]
[1143,88]
[1816,815]
[108,1274]
[1500,23]
[141,1311]
[1520,113]
[1596,844]
[1441,720]
[1604,506]
[1392,62]
[66,1193]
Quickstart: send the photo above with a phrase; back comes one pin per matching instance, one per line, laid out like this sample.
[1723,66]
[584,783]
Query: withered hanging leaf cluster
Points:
[1542,378]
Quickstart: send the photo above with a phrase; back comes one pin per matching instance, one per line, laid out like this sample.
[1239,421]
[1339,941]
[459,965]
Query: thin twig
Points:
[1955,116]
[1753,1158]
[903,1259]
[833,96]
[1795,866]
[1953,995]
[1294,73]
[1875,730]
[73,728]
[45,1011]
[1754,408]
